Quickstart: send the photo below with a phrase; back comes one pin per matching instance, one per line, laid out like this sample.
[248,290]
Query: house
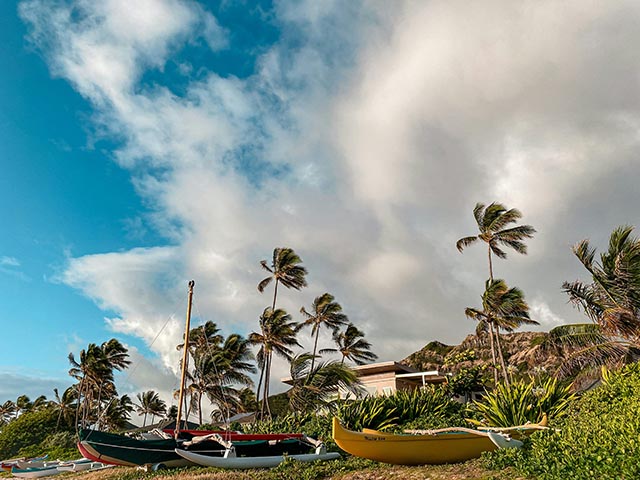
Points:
[385,378]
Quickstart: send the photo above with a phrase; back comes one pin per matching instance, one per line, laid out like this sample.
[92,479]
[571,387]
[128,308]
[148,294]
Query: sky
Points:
[147,143]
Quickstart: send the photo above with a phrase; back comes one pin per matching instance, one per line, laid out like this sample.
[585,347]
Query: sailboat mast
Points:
[185,356]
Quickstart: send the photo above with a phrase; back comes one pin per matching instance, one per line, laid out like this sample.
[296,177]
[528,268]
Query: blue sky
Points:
[144,144]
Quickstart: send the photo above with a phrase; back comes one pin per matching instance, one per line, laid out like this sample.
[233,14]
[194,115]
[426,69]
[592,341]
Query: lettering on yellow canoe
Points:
[374,439]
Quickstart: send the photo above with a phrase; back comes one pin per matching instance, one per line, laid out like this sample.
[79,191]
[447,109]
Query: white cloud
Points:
[389,125]
[9,262]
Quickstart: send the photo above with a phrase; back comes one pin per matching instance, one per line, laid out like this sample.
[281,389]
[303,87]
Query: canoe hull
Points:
[34,472]
[413,449]
[253,462]
[122,450]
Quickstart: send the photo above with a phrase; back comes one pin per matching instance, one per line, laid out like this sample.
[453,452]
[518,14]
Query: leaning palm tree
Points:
[318,387]
[285,269]
[352,346]
[324,311]
[94,370]
[278,335]
[150,403]
[502,308]
[492,221]
[611,300]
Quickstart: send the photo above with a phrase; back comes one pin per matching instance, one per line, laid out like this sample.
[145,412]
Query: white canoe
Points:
[80,465]
[35,472]
[231,461]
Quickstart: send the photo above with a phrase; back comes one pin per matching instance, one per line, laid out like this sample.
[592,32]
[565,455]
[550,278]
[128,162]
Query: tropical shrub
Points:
[597,438]
[29,429]
[426,408]
[59,445]
[370,412]
[522,402]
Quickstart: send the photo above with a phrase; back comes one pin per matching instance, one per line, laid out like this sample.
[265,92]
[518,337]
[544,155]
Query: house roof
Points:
[382,367]
[373,369]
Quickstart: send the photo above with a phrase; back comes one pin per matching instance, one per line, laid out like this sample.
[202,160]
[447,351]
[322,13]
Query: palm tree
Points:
[149,403]
[23,404]
[40,403]
[502,308]
[172,413]
[278,336]
[66,404]
[316,387]
[352,345]
[285,269]
[324,311]
[94,371]
[8,411]
[492,221]
[246,401]
[219,365]
[203,338]
[117,413]
[611,301]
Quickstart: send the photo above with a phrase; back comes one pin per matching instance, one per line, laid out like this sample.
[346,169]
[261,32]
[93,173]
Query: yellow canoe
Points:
[447,445]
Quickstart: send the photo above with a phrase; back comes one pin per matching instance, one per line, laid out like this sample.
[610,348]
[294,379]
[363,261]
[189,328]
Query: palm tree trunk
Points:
[275,294]
[315,348]
[266,410]
[199,408]
[490,265]
[259,385]
[493,354]
[78,402]
[99,399]
[144,420]
[501,356]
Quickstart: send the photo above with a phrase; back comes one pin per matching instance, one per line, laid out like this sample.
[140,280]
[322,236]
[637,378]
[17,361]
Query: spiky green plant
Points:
[522,402]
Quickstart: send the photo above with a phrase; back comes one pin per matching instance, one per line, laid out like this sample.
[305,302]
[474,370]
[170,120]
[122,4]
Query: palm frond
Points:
[585,254]
[497,251]
[465,242]
[264,283]
[478,214]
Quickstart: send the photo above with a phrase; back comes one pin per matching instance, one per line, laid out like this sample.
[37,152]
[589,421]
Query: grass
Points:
[349,468]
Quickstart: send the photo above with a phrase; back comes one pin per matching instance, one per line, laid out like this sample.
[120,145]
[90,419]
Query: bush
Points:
[598,438]
[522,402]
[59,445]
[27,430]
[429,408]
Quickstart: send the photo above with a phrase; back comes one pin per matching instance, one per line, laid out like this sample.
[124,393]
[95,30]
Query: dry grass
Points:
[471,470]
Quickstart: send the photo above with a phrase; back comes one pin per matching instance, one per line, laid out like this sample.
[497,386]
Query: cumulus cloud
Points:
[363,140]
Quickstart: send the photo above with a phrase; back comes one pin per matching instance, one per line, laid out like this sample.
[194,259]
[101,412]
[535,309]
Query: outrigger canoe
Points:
[449,445]
[122,450]
[230,460]
[36,472]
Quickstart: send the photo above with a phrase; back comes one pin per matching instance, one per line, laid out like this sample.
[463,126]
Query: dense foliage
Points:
[34,433]
[522,402]
[598,438]
[428,408]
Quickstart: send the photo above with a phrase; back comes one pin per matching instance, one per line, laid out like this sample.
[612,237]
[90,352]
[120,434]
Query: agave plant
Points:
[370,412]
[522,402]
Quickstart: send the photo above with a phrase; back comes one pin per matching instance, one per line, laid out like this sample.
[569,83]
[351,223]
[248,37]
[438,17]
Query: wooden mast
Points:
[185,356]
